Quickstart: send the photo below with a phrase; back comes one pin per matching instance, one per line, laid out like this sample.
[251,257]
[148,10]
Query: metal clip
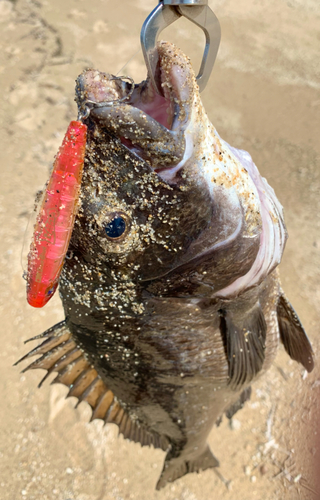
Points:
[166,13]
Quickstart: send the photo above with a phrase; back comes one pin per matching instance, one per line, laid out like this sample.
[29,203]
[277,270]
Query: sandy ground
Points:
[264,97]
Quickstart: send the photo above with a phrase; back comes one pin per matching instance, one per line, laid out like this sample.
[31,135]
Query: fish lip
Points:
[175,77]
[93,86]
[166,116]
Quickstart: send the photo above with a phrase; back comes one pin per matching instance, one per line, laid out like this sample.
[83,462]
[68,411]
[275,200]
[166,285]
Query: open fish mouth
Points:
[173,135]
[152,126]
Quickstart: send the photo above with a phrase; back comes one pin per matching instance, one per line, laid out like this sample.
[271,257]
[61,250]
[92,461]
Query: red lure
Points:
[56,217]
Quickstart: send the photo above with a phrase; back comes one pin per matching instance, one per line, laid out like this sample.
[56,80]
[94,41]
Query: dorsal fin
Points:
[292,334]
[244,338]
[59,353]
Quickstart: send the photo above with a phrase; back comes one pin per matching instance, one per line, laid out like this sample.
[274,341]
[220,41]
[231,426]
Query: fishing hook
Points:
[86,110]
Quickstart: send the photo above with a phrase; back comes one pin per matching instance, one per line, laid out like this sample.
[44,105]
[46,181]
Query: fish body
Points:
[172,297]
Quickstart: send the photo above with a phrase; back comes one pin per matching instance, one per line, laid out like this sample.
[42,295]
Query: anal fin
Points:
[292,334]
[176,467]
[59,353]
[205,461]
[238,405]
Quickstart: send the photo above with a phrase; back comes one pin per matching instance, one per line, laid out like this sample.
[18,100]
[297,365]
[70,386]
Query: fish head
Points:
[166,205]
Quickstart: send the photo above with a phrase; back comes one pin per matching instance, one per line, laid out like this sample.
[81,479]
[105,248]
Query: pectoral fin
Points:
[292,334]
[244,335]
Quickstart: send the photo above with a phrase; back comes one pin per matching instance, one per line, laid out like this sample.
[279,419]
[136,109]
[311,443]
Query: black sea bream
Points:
[172,298]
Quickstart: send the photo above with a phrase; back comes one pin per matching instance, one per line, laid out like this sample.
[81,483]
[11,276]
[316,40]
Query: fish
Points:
[172,297]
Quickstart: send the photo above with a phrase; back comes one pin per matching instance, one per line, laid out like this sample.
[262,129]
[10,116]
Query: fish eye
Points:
[117,226]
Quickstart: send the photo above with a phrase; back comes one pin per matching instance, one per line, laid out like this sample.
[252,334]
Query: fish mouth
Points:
[151,125]
[175,77]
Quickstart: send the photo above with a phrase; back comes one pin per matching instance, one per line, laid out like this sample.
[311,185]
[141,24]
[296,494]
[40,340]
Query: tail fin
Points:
[177,467]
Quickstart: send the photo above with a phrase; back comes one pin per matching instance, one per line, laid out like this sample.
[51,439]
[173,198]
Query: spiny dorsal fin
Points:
[292,334]
[244,338]
[59,353]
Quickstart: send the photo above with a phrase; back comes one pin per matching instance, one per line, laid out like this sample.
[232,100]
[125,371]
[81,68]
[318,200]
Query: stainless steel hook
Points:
[166,13]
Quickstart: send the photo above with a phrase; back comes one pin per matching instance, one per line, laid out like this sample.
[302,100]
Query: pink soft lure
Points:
[56,217]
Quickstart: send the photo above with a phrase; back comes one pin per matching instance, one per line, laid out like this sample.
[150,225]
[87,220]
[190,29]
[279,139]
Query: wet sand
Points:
[264,97]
